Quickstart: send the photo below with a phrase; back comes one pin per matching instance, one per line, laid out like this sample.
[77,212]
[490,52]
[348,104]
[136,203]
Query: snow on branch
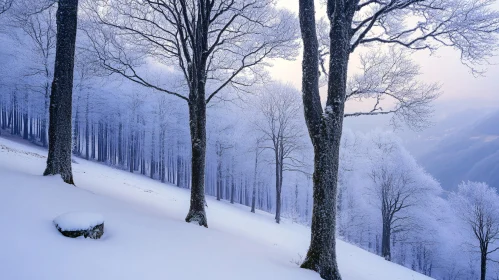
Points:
[242,36]
[471,26]
[389,80]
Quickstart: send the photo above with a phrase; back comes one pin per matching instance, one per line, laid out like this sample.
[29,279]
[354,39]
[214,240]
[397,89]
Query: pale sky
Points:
[460,89]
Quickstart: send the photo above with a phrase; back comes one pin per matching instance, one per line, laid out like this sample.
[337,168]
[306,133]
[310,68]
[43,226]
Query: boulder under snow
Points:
[75,224]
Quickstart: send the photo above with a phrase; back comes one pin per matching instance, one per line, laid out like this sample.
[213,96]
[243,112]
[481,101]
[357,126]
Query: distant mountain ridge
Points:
[468,153]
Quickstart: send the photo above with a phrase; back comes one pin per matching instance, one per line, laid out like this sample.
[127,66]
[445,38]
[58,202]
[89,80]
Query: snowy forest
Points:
[180,91]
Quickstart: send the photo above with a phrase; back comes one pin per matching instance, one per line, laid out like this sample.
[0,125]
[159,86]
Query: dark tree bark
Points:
[106,143]
[43,134]
[153,151]
[121,158]
[386,241]
[1,118]
[325,129]
[87,133]
[179,176]
[25,127]
[59,156]
[197,117]
[278,186]
[4,117]
[232,188]
[162,169]
[219,151]
[131,159]
[253,195]
[92,141]
[219,179]
[76,131]
[483,263]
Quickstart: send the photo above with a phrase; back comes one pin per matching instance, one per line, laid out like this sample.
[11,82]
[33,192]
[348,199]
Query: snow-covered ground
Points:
[145,233]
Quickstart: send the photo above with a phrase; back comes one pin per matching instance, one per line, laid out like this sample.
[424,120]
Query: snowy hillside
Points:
[145,233]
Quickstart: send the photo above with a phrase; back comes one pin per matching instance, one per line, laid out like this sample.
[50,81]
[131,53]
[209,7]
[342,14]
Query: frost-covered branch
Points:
[470,27]
[5,5]
[389,80]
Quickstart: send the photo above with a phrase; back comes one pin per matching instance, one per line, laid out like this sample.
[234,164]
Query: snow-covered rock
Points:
[75,224]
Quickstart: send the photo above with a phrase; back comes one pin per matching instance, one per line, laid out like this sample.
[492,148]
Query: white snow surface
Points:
[78,221]
[146,236]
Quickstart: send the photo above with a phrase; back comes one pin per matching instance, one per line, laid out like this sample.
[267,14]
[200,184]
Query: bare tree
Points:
[59,156]
[477,205]
[395,191]
[399,188]
[281,130]
[40,27]
[215,44]
[469,26]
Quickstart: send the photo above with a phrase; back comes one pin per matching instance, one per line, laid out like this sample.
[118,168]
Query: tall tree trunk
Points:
[197,117]
[38,128]
[9,123]
[278,190]
[232,188]
[219,178]
[25,126]
[76,132]
[179,166]
[153,151]
[483,264]
[278,206]
[121,161]
[99,142]
[253,195]
[296,206]
[162,155]
[142,154]
[92,129]
[12,118]
[1,118]
[136,157]
[131,160]
[59,156]
[219,152]
[43,134]
[386,240]
[307,203]
[325,129]
[106,142]
[278,179]
[87,133]
[31,128]
[4,116]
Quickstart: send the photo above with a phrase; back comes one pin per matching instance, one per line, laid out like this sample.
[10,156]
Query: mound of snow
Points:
[74,221]
[76,224]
